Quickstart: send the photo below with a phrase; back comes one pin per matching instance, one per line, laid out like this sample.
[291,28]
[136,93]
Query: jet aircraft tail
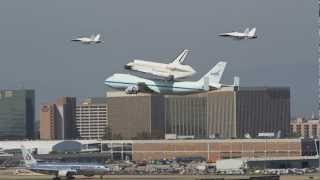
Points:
[181,57]
[246,31]
[252,33]
[214,75]
[97,37]
[27,157]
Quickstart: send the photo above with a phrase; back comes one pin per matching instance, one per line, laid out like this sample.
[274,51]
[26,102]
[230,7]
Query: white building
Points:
[305,128]
[92,118]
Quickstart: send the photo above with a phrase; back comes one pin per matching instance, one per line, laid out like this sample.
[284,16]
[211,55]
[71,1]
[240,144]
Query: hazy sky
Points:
[36,52]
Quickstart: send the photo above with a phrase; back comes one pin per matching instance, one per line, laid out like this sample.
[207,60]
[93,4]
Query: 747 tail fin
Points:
[27,157]
[215,74]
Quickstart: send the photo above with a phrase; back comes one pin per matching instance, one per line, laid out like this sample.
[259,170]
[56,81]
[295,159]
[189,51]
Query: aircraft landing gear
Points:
[171,78]
[69,176]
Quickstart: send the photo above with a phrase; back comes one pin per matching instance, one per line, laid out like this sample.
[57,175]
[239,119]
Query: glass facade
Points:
[17,114]
[186,115]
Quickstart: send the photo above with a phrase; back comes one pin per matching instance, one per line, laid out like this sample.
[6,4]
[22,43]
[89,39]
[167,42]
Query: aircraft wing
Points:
[143,87]
[54,170]
[224,35]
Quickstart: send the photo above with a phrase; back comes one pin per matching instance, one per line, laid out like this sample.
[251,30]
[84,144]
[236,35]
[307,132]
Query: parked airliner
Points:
[67,170]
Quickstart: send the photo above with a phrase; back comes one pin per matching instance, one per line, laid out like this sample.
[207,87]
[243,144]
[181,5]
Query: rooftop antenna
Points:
[313,116]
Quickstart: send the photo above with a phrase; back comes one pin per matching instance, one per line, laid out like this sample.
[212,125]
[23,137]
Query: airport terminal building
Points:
[223,113]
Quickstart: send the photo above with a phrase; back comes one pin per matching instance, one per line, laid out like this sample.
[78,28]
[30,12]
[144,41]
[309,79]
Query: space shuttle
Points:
[247,34]
[172,71]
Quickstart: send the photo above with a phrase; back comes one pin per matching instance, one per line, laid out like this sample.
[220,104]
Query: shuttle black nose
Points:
[127,67]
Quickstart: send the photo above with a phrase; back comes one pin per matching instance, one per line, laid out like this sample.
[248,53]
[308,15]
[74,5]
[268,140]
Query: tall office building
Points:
[57,120]
[131,115]
[222,113]
[92,118]
[227,113]
[17,108]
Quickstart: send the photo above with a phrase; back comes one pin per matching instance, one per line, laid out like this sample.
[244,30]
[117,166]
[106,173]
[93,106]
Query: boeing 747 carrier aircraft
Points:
[133,84]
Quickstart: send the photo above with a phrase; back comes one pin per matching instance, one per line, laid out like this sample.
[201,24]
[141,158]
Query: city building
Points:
[92,118]
[57,119]
[301,127]
[134,116]
[228,113]
[17,114]
[224,113]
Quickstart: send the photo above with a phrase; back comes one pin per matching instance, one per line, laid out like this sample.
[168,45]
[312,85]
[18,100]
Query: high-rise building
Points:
[227,113]
[92,118]
[135,115]
[17,118]
[57,120]
[47,121]
[224,113]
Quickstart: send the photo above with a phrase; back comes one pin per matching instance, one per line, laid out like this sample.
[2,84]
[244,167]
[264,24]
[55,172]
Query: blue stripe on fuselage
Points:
[171,87]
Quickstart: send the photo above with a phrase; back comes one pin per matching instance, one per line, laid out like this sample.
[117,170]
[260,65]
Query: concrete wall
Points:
[213,150]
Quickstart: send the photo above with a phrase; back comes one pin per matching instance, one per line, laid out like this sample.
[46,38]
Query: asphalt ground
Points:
[154,177]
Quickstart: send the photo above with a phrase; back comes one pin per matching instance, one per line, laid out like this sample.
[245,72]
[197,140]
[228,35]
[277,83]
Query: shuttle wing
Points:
[153,71]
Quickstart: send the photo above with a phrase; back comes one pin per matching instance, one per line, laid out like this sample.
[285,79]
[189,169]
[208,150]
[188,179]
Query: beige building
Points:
[223,113]
[305,128]
[92,118]
[132,114]
[47,125]
[57,119]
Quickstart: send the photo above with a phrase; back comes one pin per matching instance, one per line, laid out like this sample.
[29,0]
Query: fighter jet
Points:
[133,84]
[59,170]
[171,71]
[93,39]
[247,34]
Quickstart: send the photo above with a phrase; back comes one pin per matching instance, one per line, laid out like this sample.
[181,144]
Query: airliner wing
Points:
[53,170]
[143,87]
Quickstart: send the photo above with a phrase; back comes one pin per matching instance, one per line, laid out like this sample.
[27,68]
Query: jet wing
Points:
[224,35]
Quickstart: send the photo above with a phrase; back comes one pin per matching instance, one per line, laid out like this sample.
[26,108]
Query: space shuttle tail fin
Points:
[181,57]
